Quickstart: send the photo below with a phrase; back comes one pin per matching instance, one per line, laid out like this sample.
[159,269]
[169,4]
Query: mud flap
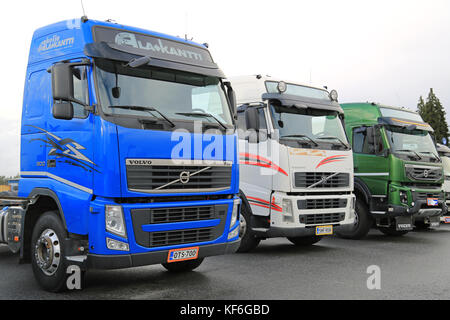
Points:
[435,222]
[404,223]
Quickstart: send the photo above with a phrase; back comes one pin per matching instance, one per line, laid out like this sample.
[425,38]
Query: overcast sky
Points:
[385,51]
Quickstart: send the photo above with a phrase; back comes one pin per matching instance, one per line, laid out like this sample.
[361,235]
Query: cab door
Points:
[371,162]
[256,180]
[70,143]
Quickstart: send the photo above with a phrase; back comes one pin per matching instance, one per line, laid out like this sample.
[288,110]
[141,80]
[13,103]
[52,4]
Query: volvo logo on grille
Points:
[185,177]
[426,173]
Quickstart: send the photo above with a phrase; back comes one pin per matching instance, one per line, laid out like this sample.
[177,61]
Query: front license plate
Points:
[447,220]
[179,255]
[432,202]
[324,231]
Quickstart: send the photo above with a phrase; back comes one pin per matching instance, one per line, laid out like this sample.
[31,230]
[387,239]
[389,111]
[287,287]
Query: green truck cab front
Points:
[398,173]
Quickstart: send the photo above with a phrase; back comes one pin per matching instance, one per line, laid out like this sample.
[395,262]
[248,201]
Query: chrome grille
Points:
[316,180]
[162,177]
[423,173]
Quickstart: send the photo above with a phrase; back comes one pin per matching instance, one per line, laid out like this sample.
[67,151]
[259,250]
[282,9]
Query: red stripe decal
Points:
[331,159]
[254,160]
[273,205]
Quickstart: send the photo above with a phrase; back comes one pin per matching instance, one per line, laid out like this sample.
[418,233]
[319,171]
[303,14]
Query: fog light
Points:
[117,245]
[114,220]
[233,234]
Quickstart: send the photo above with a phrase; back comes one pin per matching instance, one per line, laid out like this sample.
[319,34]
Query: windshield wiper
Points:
[202,115]
[337,139]
[300,136]
[411,151]
[433,154]
[148,109]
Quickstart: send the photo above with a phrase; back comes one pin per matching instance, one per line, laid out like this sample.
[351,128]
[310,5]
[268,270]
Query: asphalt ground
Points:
[415,266]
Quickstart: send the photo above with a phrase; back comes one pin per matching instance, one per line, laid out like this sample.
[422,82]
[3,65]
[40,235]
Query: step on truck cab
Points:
[128,153]
[398,173]
[296,173]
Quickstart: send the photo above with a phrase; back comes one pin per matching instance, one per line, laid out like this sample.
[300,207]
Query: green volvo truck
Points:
[398,173]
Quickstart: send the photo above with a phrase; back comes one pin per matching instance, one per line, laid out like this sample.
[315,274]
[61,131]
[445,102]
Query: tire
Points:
[392,231]
[49,231]
[305,241]
[185,266]
[362,225]
[247,236]
[420,225]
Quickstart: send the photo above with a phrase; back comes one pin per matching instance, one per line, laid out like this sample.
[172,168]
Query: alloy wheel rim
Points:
[48,252]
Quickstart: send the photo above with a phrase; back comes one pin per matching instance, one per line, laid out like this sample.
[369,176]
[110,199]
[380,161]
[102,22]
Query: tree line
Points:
[433,113]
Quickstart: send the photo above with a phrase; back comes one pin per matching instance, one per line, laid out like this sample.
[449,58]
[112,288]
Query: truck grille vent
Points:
[172,238]
[318,219]
[164,179]
[311,204]
[172,216]
[308,179]
[424,174]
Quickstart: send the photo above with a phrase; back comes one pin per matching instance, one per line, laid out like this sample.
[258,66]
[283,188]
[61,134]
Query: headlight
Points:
[404,197]
[288,211]
[234,215]
[115,223]
[117,245]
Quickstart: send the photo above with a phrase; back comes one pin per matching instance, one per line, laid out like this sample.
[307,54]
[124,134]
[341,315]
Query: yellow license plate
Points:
[324,231]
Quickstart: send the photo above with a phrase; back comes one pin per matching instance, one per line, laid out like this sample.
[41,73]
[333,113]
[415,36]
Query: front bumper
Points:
[417,206]
[152,258]
[303,219]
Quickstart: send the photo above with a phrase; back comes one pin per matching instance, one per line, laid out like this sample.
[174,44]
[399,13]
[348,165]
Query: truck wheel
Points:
[362,225]
[184,266]
[392,231]
[305,241]
[48,253]
[247,236]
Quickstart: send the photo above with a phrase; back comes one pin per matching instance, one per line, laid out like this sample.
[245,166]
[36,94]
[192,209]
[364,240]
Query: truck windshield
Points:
[298,90]
[174,94]
[416,142]
[318,126]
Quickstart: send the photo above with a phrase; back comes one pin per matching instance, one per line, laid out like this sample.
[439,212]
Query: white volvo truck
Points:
[296,166]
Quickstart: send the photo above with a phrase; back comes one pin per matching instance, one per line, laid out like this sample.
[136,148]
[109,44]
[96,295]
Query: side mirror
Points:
[231,97]
[252,119]
[62,82]
[63,110]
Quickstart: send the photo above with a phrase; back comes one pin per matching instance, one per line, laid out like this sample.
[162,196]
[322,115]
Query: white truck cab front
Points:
[296,172]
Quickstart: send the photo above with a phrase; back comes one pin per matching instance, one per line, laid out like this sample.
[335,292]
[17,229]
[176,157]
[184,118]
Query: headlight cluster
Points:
[404,197]
[115,222]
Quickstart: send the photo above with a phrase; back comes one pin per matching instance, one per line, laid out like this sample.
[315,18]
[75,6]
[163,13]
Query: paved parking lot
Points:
[413,267]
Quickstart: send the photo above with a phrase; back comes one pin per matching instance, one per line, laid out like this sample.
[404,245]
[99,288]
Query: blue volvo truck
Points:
[128,154]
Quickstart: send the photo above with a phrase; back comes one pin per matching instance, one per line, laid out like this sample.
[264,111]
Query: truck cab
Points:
[398,173]
[296,176]
[128,153]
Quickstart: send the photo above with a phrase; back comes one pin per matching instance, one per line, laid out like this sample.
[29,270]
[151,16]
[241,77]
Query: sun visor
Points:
[303,103]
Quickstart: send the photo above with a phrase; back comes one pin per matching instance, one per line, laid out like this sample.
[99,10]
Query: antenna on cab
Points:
[84,18]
